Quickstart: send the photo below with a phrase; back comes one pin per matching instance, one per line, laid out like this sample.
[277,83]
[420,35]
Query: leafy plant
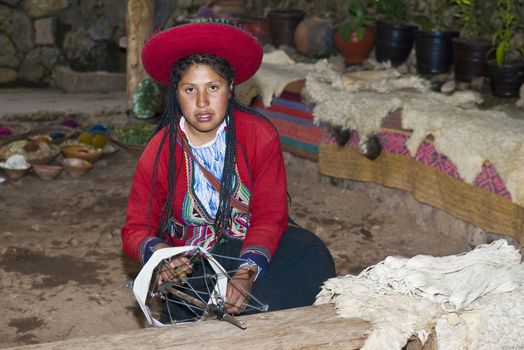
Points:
[136,134]
[430,15]
[392,10]
[507,21]
[147,99]
[467,16]
[355,22]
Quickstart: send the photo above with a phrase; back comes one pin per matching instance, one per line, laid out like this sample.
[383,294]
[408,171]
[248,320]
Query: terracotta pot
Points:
[259,27]
[505,80]
[282,24]
[470,58]
[355,51]
[314,37]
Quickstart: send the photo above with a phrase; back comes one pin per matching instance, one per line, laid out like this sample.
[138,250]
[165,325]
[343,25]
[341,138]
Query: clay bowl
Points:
[47,172]
[55,133]
[15,174]
[82,152]
[76,166]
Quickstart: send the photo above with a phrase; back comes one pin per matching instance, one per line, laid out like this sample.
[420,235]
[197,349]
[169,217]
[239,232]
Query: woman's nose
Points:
[202,99]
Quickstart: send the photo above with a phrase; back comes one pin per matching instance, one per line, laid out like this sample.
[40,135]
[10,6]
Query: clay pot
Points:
[355,51]
[282,25]
[393,42]
[228,8]
[258,27]
[470,58]
[505,80]
[314,37]
[434,51]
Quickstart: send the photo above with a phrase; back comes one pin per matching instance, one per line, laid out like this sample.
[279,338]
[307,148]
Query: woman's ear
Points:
[231,90]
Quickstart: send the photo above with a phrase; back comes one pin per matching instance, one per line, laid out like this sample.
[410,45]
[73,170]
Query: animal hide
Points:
[473,300]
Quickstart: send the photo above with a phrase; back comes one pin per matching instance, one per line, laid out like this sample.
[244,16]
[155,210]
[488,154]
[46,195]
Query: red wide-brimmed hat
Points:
[238,47]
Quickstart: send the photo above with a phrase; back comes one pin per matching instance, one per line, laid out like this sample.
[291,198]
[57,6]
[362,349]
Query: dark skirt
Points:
[294,276]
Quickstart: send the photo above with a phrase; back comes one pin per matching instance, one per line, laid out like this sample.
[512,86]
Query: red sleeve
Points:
[268,200]
[140,225]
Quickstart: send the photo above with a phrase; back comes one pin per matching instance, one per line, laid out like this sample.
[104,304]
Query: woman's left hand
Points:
[239,288]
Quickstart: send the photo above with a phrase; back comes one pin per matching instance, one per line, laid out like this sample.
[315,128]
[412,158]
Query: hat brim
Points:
[238,47]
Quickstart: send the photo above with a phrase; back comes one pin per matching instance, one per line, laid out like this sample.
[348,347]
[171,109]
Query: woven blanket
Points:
[393,140]
[294,121]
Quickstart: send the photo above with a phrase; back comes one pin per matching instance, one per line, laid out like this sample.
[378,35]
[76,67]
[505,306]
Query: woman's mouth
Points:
[204,117]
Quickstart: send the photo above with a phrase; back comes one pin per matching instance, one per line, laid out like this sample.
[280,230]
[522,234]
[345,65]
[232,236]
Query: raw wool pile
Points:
[357,100]
[275,73]
[473,300]
[468,136]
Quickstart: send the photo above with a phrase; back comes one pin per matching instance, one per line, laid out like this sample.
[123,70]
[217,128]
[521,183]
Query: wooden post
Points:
[139,26]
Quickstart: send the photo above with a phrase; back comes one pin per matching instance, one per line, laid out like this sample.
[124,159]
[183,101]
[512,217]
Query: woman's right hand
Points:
[175,269]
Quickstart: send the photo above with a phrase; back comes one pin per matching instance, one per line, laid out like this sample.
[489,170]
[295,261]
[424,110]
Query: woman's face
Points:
[203,96]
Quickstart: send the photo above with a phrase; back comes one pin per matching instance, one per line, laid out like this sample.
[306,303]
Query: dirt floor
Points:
[62,273]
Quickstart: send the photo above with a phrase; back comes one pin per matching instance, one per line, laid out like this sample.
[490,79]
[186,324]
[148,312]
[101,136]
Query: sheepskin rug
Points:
[474,300]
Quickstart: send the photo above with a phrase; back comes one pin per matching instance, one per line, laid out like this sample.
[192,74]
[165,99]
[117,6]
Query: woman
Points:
[213,176]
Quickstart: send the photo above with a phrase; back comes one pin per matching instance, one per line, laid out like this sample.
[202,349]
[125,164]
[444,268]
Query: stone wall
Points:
[44,41]
[39,35]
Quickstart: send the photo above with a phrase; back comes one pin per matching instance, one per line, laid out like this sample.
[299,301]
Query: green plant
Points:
[467,18]
[136,134]
[392,10]
[430,14]
[507,21]
[356,20]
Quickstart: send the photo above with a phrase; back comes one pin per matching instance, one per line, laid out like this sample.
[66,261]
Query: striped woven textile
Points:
[294,122]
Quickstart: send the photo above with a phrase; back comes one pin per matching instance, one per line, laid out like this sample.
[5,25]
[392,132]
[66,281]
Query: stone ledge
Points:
[71,81]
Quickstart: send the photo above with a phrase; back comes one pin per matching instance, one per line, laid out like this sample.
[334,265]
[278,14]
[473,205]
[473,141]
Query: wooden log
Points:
[310,327]
[415,344]
[139,27]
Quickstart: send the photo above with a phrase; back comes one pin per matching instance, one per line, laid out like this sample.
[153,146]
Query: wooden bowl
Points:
[47,172]
[82,152]
[76,166]
[15,174]
[56,133]
[18,132]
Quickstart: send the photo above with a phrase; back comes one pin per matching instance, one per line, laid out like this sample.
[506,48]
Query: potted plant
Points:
[506,71]
[354,38]
[433,41]
[393,36]
[470,50]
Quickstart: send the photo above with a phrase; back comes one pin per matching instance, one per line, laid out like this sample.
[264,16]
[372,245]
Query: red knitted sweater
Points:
[261,168]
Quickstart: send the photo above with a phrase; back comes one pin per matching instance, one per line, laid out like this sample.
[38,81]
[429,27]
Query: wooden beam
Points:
[311,327]
[140,23]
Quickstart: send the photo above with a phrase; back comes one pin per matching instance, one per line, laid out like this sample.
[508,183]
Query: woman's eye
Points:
[213,87]
[189,90]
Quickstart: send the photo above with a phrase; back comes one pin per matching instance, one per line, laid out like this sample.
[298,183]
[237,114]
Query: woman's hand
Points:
[239,288]
[175,269]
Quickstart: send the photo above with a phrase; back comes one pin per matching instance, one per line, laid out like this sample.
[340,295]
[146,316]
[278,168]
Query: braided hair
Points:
[170,121]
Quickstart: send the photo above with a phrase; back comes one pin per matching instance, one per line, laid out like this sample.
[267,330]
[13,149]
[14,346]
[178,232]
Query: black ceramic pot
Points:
[471,58]
[434,51]
[282,25]
[393,42]
[505,80]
